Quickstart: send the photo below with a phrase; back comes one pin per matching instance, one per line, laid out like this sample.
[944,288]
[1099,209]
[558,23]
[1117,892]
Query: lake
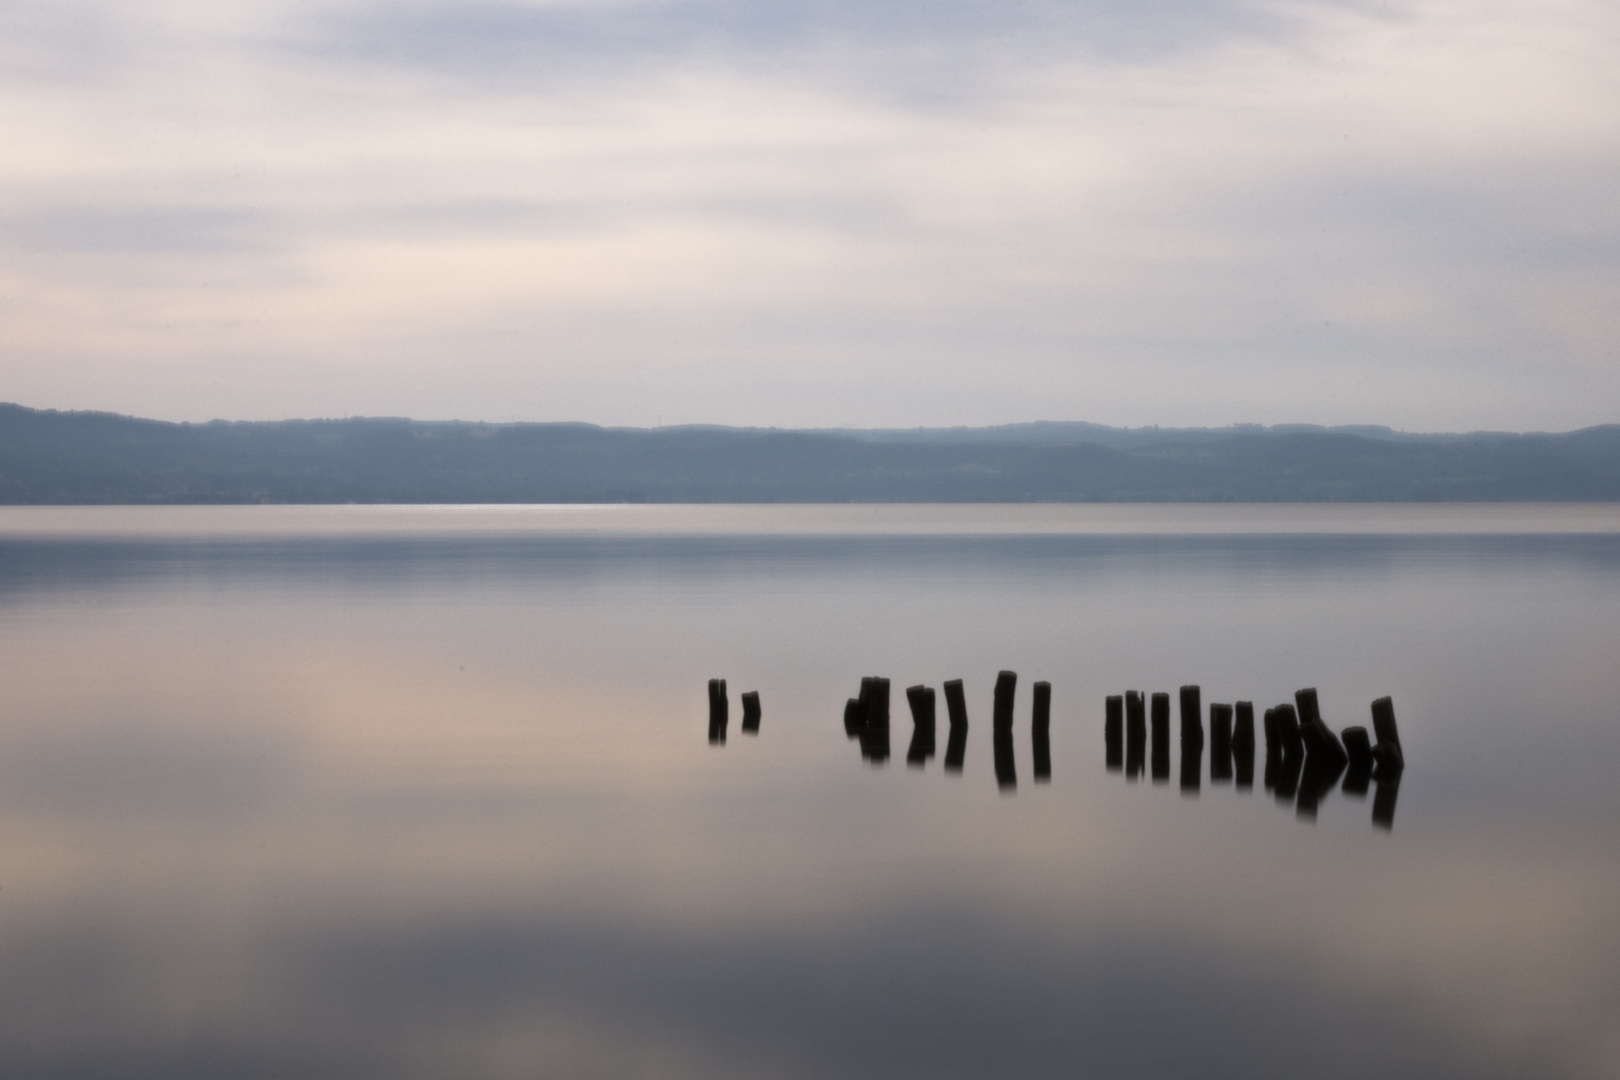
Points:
[429,792]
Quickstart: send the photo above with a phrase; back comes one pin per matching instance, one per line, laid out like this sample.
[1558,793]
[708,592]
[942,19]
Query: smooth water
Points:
[391,792]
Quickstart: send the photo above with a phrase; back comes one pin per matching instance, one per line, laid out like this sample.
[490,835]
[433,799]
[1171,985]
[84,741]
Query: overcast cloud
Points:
[814,213]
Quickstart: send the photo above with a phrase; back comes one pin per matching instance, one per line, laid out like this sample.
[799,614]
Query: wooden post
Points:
[1002,711]
[956,710]
[1135,734]
[1220,743]
[921,700]
[1192,717]
[750,704]
[1114,732]
[1161,738]
[1243,745]
[719,709]
[1388,752]
[1040,727]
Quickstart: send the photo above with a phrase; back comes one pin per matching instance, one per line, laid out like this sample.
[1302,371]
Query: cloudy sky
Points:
[814,212]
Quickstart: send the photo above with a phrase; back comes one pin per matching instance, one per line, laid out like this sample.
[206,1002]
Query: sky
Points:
[814,213]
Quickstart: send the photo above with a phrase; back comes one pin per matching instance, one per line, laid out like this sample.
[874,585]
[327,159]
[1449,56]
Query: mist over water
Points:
[325,794]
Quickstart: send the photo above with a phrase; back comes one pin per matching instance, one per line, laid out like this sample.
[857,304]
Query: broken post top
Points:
[1308,708]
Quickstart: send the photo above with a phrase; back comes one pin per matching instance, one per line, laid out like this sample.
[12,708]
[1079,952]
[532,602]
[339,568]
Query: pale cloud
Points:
[813,214]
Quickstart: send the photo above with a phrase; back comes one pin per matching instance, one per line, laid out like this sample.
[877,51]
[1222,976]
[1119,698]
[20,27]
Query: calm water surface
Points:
[392,792]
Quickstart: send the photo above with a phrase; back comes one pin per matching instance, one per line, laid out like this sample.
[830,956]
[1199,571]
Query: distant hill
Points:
[81,457]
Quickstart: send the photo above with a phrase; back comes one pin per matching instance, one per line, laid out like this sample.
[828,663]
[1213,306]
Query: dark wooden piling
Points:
[1388,752]
[854,718]
[956,748]
[1273,733]
[1383,717]
[875,719]
[719,712]
[956,711]
[1220,743]
[955,703]
[921,700]
[877,703]
[1114,732]
[1006,773]
[1243,744]
[1001,716]
[1160,708]
[1308,708]
[1357,745]
[750,704]
[1192,715]
[1135,734]
[1321,743]
[1040,730]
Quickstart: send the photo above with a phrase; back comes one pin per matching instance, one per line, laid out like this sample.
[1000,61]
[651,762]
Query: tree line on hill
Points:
[49,457]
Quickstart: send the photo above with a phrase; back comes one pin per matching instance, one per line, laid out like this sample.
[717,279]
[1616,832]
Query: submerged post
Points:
[1135,734]
[1243,745]
[956,710]
[1114,732]
[1192,719]
[1040,726]
[1388,753]
[719,707]
[921,700]
[1161,738]
[1220,743]
[750,704]
[1002,711]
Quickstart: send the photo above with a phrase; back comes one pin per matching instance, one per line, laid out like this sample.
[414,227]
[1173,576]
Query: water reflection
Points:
[439,810]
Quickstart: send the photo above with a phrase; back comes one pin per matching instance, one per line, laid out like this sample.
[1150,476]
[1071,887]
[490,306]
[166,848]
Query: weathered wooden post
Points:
[1320,742]
[1273,749]
[719,708]
[1359,747]
[1161,738]
[1220,743]
[921,700]
[1114,732]
[875,731]
[1192,718]
[1001,716]
[854,718]
[750,704]
[956,711]
[1388,753]
[1135,734]
[1243,745]
[1040,728]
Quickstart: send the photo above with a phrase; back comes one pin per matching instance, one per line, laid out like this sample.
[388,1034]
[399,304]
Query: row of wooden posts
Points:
[1304,758]
[866,718]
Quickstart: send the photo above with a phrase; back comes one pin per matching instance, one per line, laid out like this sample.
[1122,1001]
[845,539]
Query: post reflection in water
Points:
[1006,771]
[1303,763]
